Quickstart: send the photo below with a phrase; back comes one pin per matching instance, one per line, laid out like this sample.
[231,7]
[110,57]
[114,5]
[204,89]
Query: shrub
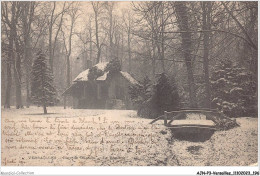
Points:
[140,93]
[153,100]
[233,90]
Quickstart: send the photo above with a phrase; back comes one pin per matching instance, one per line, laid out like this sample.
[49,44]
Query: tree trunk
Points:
[250,27]
[50,54]
[98,55]
[17,76]
[90,43]
[65,101]
[151,56]
[182,20]
[50,37]
[162,37]
[27,57]
[116,47]
[44,109]
[206,9]
[162,55]
[27,18]
[129,51]
[97,39]
[85,58]
[112,49]
[27,89]
[9,82]
[67,78]
[9,72]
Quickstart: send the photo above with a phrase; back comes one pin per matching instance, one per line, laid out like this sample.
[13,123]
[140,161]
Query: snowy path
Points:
[75,137]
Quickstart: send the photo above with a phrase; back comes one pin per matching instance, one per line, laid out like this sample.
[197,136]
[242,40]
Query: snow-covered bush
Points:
[233,90]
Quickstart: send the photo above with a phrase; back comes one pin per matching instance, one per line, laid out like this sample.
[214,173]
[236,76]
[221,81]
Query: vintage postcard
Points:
[140,83]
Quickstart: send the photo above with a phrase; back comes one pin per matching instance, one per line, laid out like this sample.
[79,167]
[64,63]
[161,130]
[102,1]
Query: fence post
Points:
[165,118]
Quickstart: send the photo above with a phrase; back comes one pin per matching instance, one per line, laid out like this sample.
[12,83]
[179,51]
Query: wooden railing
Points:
[220,120]
[180,114]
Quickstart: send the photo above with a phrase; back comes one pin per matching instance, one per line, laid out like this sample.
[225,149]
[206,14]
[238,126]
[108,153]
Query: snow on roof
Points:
[129,77]
[83,76]
[67,91]
[126,75]
[103,77]
[101,65]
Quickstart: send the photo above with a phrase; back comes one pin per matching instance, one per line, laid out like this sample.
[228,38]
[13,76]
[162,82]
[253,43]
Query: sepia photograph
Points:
[129,83]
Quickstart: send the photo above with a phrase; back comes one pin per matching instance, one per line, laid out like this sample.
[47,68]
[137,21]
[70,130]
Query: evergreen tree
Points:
[233,91]
[113,66]
[140,93]
[153,100]
[165,95]
[43,91]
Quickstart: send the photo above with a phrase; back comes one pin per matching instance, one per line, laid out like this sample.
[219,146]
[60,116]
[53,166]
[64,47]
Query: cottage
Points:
[108,91]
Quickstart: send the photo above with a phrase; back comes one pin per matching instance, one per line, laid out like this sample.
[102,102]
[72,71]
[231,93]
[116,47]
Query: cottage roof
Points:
[83,76]
[67,91]
[128,77]
[103,77]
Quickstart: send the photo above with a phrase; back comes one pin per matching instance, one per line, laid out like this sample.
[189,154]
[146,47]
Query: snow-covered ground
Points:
[78,137]
[235,147]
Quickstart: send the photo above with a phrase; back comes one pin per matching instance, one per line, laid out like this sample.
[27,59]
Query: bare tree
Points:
[27,16]
[246,27]
[17,71]
[183,21]
[128,25]
[90,43]
[97,8]
[73,15]
[10,16]
[154,17]
[110,7]
[147,31]
[206,18]
[52,22]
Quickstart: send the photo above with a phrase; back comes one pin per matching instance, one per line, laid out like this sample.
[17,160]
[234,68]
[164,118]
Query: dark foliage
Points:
[165,95]
[225,124]
[42,87]
[113,66]
[153,100]
[233,90]
[141,92]
[94,73]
